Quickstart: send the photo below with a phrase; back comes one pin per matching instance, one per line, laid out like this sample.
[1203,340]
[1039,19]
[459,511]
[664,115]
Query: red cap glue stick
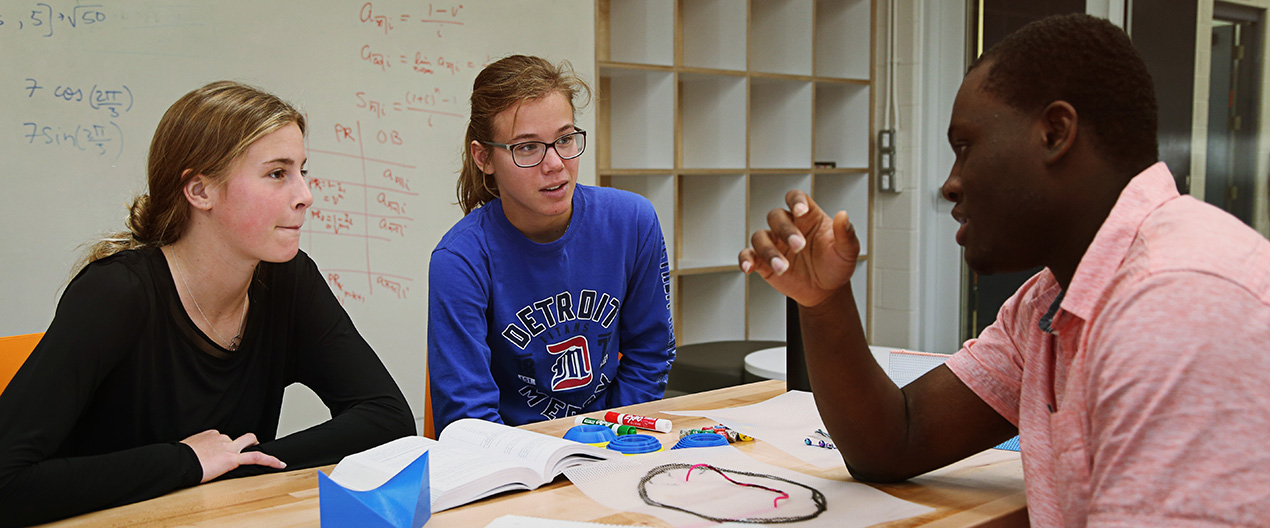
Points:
[660,425]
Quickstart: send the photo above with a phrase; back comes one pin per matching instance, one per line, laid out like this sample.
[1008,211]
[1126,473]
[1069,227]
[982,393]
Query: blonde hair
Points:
[501,85]
[203,133]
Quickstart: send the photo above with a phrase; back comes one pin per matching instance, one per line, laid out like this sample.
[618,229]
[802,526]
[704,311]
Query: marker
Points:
[819,443]
[660,425]
[723,428]
[617,428]
[730,435]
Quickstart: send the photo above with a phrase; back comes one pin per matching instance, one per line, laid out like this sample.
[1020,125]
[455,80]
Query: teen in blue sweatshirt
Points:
[549,298]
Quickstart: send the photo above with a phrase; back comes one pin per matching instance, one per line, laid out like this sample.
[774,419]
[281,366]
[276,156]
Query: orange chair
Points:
[13,353]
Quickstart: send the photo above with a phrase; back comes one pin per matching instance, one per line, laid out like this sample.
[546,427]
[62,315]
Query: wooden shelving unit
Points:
[713,109]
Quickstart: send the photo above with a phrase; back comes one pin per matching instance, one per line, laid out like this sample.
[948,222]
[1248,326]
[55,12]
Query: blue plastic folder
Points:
[402,502]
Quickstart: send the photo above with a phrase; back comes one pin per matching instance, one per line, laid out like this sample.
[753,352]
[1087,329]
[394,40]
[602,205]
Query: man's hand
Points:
[804,254]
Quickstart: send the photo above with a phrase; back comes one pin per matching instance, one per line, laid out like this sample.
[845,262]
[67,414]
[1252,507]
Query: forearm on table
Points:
[58,488]
[862,408]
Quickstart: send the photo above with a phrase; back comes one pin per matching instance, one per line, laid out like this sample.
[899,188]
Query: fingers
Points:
[243,442]
[745,260]
[846,243]
[798,202]
[252,457]
[749,262]
[781,223]
[768,253]
[261,459]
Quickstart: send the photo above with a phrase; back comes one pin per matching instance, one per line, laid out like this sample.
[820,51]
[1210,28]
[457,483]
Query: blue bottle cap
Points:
[634,444]
[590,434]
[701,440]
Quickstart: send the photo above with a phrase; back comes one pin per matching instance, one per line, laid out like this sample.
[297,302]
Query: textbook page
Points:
[546,454]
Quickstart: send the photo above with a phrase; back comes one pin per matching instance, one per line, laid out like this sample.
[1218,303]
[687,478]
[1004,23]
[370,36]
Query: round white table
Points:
[769,363]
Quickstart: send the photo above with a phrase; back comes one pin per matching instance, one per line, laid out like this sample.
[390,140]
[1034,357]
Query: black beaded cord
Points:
[816,496]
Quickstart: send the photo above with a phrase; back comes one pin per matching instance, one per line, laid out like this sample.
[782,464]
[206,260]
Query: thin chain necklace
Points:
[232,343]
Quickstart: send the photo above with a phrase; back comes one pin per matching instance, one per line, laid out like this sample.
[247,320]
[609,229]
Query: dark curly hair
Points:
[1091,64]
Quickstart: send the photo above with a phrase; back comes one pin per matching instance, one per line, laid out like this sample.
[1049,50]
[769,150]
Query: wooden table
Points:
[983,490]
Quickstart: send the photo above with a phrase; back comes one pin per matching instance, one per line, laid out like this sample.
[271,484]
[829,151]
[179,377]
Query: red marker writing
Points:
[660,425]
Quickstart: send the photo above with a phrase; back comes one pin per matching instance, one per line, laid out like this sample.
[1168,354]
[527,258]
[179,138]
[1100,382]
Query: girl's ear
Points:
[196,191]
[480,154]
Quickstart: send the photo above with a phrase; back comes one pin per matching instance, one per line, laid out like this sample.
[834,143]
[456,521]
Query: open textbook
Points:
[471,460]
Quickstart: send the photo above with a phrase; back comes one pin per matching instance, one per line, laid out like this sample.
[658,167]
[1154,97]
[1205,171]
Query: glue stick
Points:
[660,425]
[617,428]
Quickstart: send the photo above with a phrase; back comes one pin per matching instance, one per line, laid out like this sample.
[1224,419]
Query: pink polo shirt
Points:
[1157,371]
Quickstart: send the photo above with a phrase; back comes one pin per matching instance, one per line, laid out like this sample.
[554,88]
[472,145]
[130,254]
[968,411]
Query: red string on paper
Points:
[729,479]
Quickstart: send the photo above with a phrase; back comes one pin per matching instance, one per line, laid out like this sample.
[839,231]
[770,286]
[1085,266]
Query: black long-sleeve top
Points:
[95,416]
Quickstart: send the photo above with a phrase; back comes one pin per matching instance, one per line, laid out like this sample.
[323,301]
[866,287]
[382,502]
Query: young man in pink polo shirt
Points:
[1134,367]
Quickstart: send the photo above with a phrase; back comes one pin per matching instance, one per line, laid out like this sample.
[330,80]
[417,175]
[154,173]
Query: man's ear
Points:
[1059,125]
[480,154]
[196,191]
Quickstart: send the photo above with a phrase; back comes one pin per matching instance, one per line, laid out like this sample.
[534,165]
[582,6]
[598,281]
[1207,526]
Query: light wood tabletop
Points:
[983,490]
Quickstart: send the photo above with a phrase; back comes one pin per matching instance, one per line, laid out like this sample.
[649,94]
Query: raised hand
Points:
[804,254]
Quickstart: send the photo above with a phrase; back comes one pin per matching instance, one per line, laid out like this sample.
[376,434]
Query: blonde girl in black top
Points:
[166,360]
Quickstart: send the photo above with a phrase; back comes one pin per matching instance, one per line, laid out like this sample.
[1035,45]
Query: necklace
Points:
[232,343]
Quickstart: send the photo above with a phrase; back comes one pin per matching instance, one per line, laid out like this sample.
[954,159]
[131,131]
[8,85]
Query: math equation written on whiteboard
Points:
[363,205]
[363,184]
[45,19]
[96,107]
[431,20]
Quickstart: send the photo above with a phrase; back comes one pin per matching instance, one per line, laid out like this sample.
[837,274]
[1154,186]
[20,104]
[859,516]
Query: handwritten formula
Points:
[100,139]
[433,103]
[431,16]
[113,100]
[369,201]
[44,19]
[96,132]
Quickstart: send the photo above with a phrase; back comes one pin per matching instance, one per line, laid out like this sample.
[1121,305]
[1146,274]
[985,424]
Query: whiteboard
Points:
[385,88]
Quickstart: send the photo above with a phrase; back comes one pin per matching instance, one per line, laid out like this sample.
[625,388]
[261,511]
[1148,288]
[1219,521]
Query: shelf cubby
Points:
[660,190]
[847,192]
[766,309]
[780,36]
[713,121]
[780,123]
[641,32]
[712,213]
[641,110]
[713,110]
[842,124]
[713,307]
[714,34]
[843,36]
[767,192]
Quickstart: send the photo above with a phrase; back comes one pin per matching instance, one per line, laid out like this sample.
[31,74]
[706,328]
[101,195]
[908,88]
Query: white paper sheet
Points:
[784,421]
[520,521]
[615,483]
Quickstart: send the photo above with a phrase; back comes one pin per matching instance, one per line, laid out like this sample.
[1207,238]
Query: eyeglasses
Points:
[526,154]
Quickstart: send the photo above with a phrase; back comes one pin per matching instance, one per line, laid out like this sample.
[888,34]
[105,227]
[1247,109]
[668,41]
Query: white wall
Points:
[916,261]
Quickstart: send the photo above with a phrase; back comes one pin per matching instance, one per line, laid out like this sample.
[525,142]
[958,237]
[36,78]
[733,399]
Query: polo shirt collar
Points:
[1145,193]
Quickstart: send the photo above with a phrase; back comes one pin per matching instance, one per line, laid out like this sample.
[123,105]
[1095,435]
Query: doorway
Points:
[1234,92]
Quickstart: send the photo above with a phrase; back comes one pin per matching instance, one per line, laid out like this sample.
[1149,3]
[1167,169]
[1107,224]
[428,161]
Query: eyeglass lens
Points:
[531,153]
